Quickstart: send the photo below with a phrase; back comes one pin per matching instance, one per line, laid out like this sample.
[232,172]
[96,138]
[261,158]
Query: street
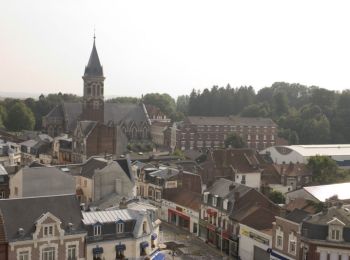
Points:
[186,245]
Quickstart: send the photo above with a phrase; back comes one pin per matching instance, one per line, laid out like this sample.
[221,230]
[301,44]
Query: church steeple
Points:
[93,101]
[94,67]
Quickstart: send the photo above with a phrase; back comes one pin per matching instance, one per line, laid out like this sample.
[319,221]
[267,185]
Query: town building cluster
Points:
[77,191]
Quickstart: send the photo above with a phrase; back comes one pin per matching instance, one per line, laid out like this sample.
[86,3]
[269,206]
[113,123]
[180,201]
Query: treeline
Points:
[19,114]
[308,115]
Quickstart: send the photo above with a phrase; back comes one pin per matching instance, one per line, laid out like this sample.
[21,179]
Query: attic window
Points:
[120,227]
[215,200]
[48,231]
[97,230]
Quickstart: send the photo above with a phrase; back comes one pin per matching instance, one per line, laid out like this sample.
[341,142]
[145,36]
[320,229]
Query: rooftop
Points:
[323,192]
[109,216]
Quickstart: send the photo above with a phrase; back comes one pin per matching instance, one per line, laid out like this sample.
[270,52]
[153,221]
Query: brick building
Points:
[198,132]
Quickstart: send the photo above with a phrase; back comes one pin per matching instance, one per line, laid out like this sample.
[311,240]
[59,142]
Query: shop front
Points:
[179,219]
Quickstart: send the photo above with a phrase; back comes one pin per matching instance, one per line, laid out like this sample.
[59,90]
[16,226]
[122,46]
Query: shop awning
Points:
[158,256]
[97,250]
[120,247]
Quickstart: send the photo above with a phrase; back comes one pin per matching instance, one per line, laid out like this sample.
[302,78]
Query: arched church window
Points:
[144,134]
[134,133]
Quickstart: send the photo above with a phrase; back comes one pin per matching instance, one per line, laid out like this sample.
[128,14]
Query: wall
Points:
[252,179]
[250,238]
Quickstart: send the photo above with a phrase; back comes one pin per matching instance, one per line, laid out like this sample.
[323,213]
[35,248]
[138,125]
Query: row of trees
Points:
[308,115]
[17,115]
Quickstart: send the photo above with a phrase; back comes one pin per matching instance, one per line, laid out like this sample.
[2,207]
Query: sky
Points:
[173,46]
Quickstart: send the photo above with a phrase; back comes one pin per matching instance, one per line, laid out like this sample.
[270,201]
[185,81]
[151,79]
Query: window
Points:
[24,255]
[335,234]
[279,238]
[48,253]
[264,137]
[215,200]
[16,191]
[120,227]
[292,246]
[256,137]
[48,231]
[72,252]
[224,204]
[272,137]
[191,135]
[243,181]
[205,197]
[2,194]
[144,227]
[97,230]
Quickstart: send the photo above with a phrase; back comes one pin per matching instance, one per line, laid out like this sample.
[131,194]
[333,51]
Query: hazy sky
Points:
[173,46]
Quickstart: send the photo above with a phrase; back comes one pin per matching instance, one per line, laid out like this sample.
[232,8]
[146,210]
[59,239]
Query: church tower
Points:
[93,99]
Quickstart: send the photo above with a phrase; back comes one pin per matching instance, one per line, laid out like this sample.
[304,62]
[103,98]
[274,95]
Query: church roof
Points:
[113,112]
[94,67]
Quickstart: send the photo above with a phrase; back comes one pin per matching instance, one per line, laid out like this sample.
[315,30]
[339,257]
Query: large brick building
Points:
[198,132]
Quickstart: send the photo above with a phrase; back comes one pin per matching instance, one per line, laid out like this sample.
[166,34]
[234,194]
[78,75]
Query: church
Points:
[131,119]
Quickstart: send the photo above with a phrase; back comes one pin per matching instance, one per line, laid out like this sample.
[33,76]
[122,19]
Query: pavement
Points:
[186,245]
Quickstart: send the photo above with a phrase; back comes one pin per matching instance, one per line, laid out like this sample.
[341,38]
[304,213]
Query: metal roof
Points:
[323,192]
[3,170]
[322,149]
[109,216]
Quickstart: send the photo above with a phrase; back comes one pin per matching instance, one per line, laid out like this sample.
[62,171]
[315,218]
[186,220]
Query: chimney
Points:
[231,187]
[123,204]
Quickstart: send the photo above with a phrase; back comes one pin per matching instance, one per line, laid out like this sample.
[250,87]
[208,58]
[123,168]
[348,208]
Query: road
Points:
[191,247]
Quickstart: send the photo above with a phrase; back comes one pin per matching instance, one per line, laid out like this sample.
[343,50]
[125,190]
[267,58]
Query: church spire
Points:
[94,67]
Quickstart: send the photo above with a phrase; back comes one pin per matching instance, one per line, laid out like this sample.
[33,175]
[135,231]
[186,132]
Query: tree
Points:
[163,101]
[324,169]
[182,104]
[276,197]
[20,117]
[280,103]
[235,141]
[123,100]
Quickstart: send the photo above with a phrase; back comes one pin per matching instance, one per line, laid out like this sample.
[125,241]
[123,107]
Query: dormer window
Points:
[224,204]
[335,229]
[97,230]
[48,231]
[205,197]
[120,227]
[215,200]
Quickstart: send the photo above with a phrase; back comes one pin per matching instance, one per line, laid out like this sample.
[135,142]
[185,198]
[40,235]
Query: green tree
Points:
[324,169]
[163,101]
[123,100]
[20,117]
[182,103]
[280,103]
[276,197]
[235,141]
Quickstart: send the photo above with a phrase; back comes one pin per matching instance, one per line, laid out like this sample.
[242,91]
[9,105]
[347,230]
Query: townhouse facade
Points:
[120,234]
[51,229]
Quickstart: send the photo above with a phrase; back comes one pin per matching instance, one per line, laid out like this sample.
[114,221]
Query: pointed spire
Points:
[94,67]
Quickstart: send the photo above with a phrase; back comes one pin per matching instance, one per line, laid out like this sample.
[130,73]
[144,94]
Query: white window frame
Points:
[279,233]
[23,250]
[48,230]
[44,246]
[292,240]
[224,204]
[70,244]
[205,197]
[120,228]
[97,230]
[215,200]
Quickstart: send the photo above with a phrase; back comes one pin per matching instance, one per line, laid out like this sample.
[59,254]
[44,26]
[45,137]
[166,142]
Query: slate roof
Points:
[186,198]
[242,160]
[113,112]
[87,126]
[94,67]
[89,167]
[293,169]
[341,213]
[109,216]
[23,213]
[222,188]
[230,120]
[51,181]
[297,215]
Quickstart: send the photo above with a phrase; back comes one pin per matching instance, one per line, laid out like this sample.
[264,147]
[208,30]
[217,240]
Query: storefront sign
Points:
[171,184]
[254,236]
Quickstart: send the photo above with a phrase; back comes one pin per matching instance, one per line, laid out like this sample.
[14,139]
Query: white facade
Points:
[251,179]
[250,240]
[301,153]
